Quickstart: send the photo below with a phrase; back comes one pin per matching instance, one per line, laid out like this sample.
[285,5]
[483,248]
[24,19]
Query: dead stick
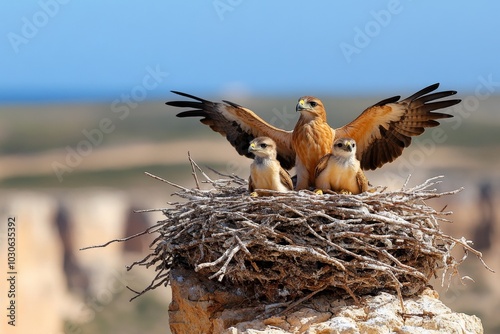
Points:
[193,171]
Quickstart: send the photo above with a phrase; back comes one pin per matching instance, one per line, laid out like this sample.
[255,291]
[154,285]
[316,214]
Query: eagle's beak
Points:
[251,147]
[300,105]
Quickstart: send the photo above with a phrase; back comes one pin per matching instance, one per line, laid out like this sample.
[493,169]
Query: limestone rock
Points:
[203,306]
[377,314]
[200,305]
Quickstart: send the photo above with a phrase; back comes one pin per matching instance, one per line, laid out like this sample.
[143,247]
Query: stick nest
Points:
[285,246]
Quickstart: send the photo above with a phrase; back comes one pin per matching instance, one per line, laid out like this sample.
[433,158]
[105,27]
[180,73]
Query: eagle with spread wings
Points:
[381,132]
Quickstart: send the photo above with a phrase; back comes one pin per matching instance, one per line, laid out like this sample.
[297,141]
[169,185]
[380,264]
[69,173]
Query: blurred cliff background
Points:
[82,117]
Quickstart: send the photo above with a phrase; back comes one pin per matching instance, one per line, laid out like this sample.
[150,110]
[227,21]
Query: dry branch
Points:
[288,246]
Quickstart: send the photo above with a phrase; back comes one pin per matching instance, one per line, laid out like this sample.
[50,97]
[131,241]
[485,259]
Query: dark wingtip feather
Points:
[433,86]
[453,102]
[429,89]
[423,91]
[435,96]
[175,103]
[393,99]
[232,104]
[189,96]
[439,115]
[192,113]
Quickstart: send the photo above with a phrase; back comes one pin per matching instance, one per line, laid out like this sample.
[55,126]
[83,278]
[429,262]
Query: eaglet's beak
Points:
[348,147]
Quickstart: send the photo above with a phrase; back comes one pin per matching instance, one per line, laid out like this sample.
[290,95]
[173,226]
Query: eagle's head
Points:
[263,147]
[310,106]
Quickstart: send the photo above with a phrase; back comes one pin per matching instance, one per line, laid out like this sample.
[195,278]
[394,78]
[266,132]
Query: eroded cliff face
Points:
[203,306]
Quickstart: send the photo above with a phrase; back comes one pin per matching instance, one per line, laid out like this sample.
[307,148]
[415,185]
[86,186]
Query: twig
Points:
[302,300]
[123,239]
[167,182]
[236,179]
[193,171]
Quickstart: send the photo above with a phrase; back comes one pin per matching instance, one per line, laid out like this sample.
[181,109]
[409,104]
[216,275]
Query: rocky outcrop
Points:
[425,313]
[203,306]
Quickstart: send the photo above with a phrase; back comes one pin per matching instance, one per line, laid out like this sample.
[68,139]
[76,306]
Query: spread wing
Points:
[385,129]
[238,124]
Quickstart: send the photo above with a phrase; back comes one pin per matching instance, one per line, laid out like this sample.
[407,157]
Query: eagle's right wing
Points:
[386,128]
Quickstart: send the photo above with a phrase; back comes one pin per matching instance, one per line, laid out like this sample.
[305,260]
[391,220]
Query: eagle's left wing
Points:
[239,125]
[383,130]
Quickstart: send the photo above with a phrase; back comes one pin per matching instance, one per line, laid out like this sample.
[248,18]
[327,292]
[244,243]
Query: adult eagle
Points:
[381,132]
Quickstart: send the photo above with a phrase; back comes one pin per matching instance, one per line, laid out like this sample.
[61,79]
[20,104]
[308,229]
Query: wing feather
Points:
[362,181]
[251,186]
[238,124]
[322,164]
[383,130]
[286,179]
[393,99]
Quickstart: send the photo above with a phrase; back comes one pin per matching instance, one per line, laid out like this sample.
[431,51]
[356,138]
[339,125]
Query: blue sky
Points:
[63,50]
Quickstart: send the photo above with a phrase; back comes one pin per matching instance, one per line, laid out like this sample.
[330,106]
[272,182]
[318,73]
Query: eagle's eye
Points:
[313,104]
[263,145]
[339,145]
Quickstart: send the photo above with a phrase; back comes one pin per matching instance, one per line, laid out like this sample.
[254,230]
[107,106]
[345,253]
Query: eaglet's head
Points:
[263,147]
[310,106]
[345,147]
